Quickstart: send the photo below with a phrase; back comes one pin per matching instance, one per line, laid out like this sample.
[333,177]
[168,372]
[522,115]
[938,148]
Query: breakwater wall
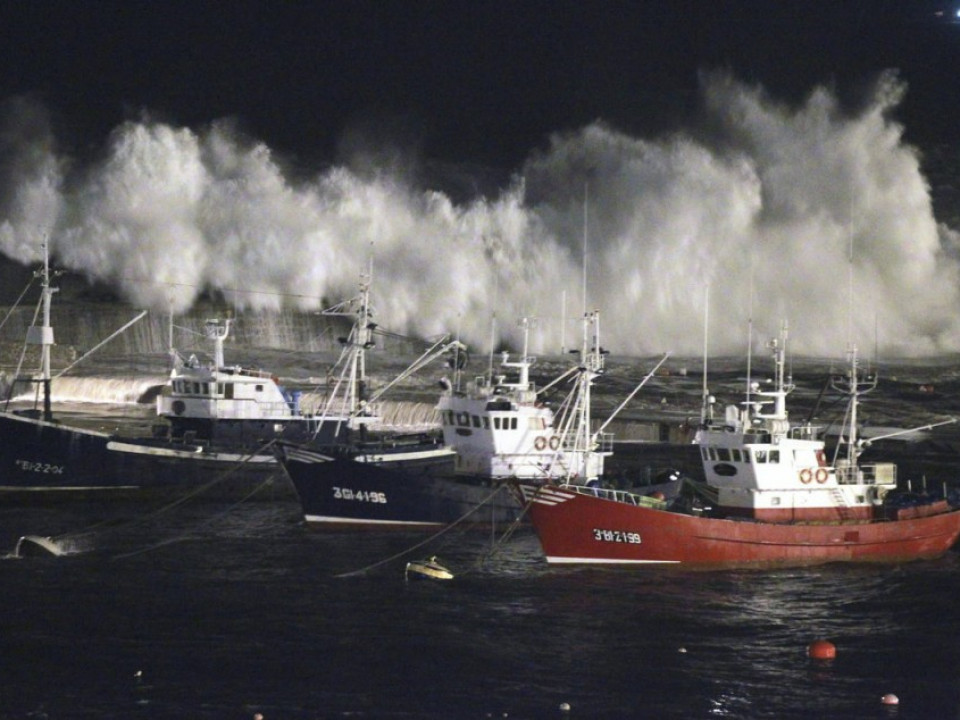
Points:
[81,326]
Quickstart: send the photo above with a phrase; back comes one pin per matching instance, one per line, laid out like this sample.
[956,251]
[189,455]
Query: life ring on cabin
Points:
[554,442]
[540,443]
[821,458]
[179,407]
[806,476]
[821,475]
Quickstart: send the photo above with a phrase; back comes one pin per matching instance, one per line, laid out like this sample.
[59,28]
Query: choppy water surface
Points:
[225,612]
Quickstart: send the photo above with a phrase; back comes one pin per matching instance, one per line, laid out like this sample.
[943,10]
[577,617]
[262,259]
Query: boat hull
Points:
[45,461]
[579,528]
[408,488]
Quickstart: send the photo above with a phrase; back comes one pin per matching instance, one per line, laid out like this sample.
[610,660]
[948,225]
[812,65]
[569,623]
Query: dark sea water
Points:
[207,611]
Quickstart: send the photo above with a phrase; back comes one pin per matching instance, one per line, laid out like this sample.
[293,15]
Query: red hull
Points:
[580,528]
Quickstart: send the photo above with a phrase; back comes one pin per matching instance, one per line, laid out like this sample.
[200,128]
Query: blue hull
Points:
[42,461]
[400,487]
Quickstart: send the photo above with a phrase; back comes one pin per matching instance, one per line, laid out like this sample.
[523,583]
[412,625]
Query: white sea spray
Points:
[814,214]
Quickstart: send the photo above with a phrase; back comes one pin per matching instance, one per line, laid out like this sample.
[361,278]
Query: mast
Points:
[854,397]
[523,365]
[592,361]
[42,335]
[218,333]
[362,343]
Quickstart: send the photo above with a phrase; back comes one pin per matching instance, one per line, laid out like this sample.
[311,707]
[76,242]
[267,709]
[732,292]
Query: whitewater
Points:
[815,214]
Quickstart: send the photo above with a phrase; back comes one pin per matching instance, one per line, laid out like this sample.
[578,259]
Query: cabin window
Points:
[513,423]
[760,455]
[713,453]
[228,391]
[219,388]
[206,388]
[476,421]
[704,453]
[259,388]
[486,423]
[737,457]
[774,456]
[463,420]
[724,454]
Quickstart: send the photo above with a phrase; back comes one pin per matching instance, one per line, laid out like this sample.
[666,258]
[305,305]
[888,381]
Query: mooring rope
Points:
[507,535]
[180,538]
[97,527]
[428,540]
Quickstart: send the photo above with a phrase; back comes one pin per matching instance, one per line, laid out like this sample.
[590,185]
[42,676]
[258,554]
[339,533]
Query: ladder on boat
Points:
[841,503]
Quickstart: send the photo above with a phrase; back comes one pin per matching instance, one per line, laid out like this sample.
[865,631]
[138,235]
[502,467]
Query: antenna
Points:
[586,205]
[850,341]
[705,409]
[563,323]
[750,336]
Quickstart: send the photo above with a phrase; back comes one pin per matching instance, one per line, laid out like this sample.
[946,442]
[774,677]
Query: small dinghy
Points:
[37,545]
[427,570]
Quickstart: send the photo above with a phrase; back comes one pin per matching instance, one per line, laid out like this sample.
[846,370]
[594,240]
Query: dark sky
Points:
[480,82]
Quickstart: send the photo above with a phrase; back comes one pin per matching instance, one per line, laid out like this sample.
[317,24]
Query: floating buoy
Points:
[890,699]
[428,569]
[681,650]
[564,707]
[822,650]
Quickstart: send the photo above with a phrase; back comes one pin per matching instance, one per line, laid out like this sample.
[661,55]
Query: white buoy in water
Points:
[34,545]
[427,569]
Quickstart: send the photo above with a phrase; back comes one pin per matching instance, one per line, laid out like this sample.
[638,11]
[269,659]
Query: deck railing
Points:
[876,474]
[621,496]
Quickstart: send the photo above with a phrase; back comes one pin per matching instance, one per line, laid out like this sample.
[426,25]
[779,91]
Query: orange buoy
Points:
[822,650]
[890,699]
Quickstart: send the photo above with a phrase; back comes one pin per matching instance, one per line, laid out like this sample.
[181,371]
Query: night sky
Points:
[478,82]
[264,151]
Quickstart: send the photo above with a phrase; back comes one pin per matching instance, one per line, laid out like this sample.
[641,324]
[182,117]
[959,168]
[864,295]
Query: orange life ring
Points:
[806,476]
[821,475]
[821,458]
[554,442]
[540,443]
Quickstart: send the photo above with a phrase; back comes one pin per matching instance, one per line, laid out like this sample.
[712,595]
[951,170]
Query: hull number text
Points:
[616,536]
[39,467]
[359,495]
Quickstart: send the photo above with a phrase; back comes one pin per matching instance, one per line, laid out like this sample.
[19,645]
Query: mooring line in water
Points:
[182,536]
[507,534]
[97,528]
[420,544]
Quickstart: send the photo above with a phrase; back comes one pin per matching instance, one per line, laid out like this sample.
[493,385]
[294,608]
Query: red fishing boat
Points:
[771,497]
